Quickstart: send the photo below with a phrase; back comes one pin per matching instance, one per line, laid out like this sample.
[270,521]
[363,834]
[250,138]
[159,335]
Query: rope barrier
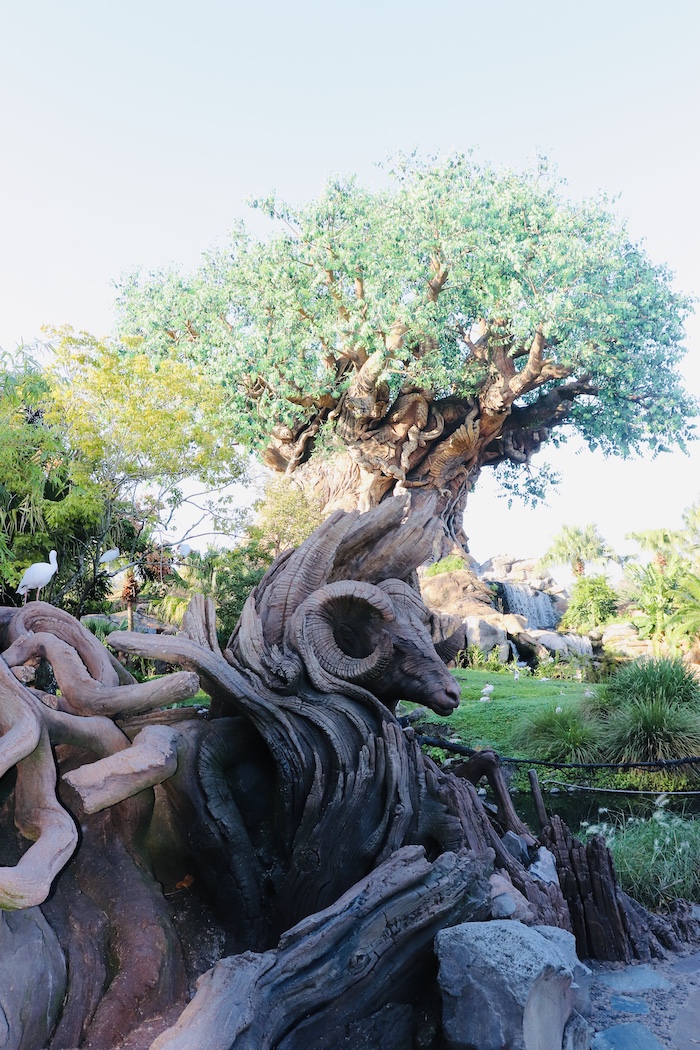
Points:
[662,763]
[615,791]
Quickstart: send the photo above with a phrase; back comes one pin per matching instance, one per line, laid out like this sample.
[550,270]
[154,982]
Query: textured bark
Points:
[607,923]
[323,846]
[420,443]
[372,945]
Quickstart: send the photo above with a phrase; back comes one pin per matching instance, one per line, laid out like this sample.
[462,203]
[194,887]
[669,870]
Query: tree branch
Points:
[553,407]
[439,279]
[528,376]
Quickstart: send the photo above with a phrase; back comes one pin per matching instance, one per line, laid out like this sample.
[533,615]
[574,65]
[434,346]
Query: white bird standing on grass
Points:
[37,576]
[486,692]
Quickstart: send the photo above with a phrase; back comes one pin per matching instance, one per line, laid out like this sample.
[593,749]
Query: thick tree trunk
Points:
[419,443]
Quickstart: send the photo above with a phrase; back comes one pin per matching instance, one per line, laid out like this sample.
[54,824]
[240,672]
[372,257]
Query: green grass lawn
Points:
[491,724]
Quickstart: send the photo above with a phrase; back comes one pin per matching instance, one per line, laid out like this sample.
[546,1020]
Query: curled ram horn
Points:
[338,633]
[448,648]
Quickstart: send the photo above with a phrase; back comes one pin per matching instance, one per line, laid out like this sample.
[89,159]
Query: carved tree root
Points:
[124,958]
[372,945]
[38,815]
[40,818]
[151,759]
[607,923]
[81,694]
[488,764]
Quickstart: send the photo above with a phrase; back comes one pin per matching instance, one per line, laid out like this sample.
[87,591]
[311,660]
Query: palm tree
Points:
[129,594]
[662,543]
[685,620]
[574,546]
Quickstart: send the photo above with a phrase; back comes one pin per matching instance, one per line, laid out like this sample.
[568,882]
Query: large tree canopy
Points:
[457,318]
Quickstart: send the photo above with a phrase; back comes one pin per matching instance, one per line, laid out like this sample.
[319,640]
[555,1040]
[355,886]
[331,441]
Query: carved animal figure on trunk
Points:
[333,617]
[324,848]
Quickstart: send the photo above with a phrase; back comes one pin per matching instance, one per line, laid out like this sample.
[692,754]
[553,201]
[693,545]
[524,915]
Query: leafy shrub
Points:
[656,858]
[475,658]
[593,602]
[101,628]
[573,668]
[451,563]
[559,734]
[653,590]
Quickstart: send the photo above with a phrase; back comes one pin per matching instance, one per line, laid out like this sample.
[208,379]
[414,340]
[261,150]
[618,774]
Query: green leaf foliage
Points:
[593,602]
[444,247]
[452,563]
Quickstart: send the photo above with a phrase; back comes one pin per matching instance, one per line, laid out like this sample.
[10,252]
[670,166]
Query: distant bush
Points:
[593,602]
[475,658]
[571,668]
[451,563]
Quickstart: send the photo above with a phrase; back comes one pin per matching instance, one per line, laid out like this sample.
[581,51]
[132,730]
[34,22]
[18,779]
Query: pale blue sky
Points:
[132,134]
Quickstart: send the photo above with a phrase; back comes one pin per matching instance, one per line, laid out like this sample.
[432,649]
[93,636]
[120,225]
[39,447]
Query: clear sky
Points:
[132,134]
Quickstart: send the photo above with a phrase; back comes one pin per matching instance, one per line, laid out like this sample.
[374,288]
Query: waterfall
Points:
[536,606]
[579,644]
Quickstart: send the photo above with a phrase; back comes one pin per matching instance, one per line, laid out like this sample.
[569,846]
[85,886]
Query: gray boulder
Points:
[503,985]
[486,635]
[565,943]
[517,847]
[545,867]
[509,903]
[32,979]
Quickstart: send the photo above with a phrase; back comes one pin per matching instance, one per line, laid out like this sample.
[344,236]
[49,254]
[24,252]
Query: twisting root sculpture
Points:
[296,822]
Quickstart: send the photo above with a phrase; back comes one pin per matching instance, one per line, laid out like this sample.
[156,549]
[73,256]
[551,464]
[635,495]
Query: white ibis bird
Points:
[37,576]
[111,555]
[486,693]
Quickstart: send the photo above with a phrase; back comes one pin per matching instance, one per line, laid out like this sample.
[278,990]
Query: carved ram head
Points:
[338,609]
[373,636]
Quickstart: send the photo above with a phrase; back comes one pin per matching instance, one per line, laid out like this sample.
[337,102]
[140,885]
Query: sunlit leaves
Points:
[282,322]
[130,420]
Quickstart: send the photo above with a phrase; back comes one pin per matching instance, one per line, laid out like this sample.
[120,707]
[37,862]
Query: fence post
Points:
[537,799]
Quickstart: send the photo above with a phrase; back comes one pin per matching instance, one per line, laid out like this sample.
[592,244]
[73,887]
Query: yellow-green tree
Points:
[103,441]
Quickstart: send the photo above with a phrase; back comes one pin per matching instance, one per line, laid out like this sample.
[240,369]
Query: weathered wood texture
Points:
[607,923]
[301,813]
[372,946]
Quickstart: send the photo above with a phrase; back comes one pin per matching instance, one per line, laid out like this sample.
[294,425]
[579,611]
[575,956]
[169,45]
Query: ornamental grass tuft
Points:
[666,679]
[650,730]
[655,858]
[559,734]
